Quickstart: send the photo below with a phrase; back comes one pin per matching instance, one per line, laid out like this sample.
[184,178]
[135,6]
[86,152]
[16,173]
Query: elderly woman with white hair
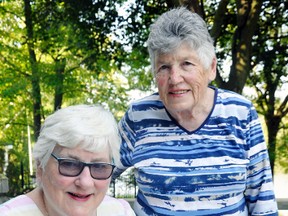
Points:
[196,149]
[75,155]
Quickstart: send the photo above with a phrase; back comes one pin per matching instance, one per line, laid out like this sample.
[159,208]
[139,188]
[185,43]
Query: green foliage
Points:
[282,152]
[63,33]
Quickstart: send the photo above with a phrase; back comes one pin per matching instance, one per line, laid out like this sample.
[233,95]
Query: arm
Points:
[127,144]
[259,193]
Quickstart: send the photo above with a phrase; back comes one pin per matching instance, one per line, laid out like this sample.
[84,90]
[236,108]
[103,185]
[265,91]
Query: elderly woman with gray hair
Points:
[75,155]
[196,149]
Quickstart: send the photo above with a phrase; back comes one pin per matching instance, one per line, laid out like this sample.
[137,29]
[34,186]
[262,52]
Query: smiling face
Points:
[182,80]
[80,195]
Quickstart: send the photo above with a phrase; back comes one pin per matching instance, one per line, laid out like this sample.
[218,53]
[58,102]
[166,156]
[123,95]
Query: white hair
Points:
[89,126]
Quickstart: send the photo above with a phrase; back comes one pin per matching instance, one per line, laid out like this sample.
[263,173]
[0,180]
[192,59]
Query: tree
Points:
[69,49]
[54,53]
[270,56]
[35,76]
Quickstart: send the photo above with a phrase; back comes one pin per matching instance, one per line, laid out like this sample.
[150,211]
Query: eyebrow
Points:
[75,157]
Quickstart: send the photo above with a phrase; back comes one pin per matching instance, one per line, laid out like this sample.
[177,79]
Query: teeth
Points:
[179,92]
[78,195]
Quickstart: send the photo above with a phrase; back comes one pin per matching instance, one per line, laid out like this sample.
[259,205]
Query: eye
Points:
[101,166]
[101,169]
[187,65]
[163,68]
[70,164]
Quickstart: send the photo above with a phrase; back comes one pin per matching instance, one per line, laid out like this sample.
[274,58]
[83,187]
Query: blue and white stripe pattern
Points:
[222,168]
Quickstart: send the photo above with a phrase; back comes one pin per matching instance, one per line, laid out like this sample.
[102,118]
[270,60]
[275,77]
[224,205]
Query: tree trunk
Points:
[273,123]
[219,20]
[247,16]
[59,71]
[192,5]
[35,80]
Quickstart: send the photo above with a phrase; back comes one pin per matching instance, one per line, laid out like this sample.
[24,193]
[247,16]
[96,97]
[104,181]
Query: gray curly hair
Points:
[176,27]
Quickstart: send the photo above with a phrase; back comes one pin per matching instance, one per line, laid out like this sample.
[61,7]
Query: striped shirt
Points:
[222,168]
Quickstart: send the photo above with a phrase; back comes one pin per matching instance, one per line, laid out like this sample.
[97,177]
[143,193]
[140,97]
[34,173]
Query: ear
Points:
[39,172]
[212,69]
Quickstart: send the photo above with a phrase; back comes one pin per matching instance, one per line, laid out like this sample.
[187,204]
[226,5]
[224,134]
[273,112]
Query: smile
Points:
[179,92]
[79,195]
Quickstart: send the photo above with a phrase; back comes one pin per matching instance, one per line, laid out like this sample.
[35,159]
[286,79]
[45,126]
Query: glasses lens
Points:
[70,167]
[101,170]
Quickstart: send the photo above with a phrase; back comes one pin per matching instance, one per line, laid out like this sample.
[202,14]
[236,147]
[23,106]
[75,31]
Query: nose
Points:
[85,179]
[175,75]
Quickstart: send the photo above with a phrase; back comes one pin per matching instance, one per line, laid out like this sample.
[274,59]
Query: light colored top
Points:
[23,205]
[222,168]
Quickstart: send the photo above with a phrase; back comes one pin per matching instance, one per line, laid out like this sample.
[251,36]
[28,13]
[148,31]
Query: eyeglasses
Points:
[71,168]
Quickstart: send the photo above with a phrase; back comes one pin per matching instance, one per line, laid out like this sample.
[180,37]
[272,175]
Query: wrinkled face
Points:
[182,80]
[80,195]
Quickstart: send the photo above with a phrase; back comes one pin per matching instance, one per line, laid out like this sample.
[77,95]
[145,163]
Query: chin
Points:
[178,106]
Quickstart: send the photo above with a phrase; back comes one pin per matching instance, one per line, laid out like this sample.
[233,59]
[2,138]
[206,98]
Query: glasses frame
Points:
[84,165]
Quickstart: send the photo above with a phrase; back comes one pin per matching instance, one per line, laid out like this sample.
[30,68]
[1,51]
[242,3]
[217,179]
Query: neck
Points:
[192,119]
[37,196]
[44,211]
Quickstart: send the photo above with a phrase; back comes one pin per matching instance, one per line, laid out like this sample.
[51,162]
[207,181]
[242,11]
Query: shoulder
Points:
[20,205]
[145,108]
[17,201]
[229,97]
[148,101]
[230,104]
[114,207]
